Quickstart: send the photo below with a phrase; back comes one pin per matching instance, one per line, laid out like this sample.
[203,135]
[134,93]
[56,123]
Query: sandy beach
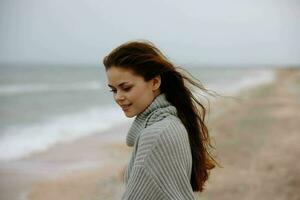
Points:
[256,135]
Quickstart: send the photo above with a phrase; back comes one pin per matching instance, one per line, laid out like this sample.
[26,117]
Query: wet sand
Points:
[68,170]
[256,137]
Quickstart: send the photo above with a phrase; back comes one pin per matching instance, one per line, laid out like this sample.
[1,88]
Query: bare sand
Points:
[257,143]
[256,137]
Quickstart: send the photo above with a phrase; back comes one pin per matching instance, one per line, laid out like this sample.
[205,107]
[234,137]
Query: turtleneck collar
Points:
[156,111]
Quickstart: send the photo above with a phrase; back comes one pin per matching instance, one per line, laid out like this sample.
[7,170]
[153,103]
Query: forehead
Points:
[117,75]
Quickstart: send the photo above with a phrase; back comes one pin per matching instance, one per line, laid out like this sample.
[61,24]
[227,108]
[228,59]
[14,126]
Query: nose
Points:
[119,96]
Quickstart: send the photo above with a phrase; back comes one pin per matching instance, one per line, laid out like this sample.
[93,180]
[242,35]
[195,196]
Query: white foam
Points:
[19,141]
[16,89]
[248,80]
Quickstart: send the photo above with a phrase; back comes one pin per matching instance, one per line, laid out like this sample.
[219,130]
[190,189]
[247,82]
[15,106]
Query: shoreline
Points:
[74,126]
[52,131]
[90,168]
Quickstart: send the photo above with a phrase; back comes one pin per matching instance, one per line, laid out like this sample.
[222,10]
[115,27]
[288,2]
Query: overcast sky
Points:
[205,32]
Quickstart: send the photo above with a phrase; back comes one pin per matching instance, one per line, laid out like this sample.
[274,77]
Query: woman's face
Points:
[130,91]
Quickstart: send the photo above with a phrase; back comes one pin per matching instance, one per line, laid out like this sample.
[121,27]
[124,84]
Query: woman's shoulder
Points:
[170,123]
[163,136]
[169,131]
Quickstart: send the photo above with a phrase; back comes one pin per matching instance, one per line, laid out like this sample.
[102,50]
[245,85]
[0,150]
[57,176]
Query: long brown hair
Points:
[148,61]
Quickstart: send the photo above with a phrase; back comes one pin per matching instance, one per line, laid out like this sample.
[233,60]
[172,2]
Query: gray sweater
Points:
[161,161]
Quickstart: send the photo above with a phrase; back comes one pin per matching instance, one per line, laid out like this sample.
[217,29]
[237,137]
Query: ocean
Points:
[44,105]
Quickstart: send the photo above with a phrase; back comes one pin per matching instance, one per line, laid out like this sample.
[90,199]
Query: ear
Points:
[156,81]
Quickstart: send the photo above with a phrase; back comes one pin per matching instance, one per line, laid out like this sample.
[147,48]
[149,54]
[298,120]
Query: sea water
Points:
[42,105]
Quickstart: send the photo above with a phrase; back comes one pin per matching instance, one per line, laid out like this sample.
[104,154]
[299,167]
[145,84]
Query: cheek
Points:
[137,95]
[142,97]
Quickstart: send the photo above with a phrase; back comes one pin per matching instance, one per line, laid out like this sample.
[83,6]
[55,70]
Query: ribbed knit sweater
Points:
[161,161]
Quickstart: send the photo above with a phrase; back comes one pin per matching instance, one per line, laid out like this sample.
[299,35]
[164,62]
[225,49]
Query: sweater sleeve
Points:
[165,171]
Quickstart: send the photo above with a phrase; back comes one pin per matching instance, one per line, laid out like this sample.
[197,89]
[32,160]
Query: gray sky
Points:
[208,32]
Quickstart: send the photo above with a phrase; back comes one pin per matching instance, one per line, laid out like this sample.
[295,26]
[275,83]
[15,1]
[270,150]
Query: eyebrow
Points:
[119,84]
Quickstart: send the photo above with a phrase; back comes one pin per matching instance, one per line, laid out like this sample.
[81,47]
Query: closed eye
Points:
[127,89]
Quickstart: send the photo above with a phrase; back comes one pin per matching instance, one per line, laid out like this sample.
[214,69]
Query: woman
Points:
[170,157]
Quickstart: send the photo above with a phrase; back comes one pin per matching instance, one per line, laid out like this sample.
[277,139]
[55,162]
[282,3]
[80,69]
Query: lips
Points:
[124,107]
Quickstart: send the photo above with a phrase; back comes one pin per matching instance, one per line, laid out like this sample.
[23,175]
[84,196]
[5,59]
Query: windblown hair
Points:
[146,60]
